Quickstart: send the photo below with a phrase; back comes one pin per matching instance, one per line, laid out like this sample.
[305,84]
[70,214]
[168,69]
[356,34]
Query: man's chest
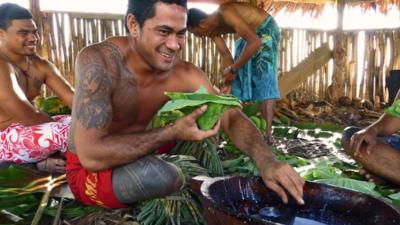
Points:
[137,106]
[30,84]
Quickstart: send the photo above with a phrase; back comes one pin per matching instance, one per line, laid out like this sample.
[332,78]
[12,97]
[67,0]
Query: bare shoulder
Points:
[191,77]
[106,53]
[41,63]
[5,67]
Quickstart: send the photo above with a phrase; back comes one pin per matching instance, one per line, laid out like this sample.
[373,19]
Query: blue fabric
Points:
[257,79]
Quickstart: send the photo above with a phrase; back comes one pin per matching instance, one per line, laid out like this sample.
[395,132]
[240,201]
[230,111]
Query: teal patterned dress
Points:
[257,79]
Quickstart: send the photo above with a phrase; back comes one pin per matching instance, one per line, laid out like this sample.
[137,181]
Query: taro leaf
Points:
[395,198]
[394,110]
[355,185]
[292,160]
[322,172]
[188,102]
[252,109]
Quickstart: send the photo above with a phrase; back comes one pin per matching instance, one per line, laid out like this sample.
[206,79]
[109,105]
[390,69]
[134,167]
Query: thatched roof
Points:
[315,7]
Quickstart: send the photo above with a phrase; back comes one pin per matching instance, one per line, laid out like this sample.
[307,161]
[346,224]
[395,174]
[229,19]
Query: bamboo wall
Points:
[64,34]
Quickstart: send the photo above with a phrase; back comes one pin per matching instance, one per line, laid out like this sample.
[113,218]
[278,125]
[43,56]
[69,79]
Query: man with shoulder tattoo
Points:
[28,135]
[120,86]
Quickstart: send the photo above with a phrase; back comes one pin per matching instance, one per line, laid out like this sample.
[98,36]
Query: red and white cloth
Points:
[28,144]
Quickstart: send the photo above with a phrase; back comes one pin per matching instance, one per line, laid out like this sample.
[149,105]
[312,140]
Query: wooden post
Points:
[34,7]
[339,56]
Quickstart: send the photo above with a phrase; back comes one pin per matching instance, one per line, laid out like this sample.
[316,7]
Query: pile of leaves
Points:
[20,201]
[51,106]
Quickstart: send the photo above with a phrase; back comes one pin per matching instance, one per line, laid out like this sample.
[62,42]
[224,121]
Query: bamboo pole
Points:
[339,55]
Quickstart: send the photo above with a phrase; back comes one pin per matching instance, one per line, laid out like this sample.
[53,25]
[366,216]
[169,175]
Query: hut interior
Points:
[336,65]
[323,75]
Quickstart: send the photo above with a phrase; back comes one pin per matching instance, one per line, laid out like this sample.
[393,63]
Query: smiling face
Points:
[159,40]
[21,37]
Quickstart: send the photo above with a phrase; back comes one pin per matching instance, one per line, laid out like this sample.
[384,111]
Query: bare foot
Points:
[51,165]
[372,177]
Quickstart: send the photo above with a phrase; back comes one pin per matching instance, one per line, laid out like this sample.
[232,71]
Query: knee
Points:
[174,178]
[346,136]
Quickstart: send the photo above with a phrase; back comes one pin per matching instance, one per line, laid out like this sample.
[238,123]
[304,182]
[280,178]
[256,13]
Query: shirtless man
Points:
[252,76]
[120,87]
[377,147]
[27,135]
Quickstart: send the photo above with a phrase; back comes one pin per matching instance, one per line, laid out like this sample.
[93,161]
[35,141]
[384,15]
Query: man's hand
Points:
[279,176]
[361,138]
[228,76]
[186,128]
[226,89]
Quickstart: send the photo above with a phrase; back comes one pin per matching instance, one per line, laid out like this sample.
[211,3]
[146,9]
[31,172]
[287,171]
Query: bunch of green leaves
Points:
[184,103]
[187,164]
[260,123]
[181,208]
[52,106]
[242,166]
[205,151]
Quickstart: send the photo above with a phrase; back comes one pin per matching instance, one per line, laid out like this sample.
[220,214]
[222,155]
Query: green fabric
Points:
[394,110]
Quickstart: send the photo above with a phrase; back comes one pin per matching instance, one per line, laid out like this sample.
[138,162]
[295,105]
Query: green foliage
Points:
[188,164]
[205,152]
[251,109]
[186,103]
[175,209]
[52,106]
[355,185]
[394,110]
[242,166]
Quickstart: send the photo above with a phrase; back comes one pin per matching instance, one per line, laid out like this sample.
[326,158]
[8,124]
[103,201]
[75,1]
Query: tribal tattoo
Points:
[146,178]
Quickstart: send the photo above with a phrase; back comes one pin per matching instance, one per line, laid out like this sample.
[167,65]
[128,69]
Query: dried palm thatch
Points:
[315,7]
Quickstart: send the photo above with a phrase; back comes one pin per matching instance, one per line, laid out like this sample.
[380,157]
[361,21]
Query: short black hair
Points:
[144,9]
[195,16]
[11,11]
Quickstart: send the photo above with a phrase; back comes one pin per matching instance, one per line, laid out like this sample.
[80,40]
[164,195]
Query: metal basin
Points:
[246,200]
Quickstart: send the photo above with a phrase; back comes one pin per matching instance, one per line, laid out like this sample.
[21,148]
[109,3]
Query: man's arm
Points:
[14,102]
[227,59]
[57,83]
[232,17]
[93,112]
[278,176]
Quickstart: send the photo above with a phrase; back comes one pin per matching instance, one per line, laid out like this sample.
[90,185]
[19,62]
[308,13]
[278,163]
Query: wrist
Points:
[230,69]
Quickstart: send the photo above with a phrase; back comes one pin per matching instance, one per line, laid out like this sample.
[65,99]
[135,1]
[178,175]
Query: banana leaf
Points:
[188,102]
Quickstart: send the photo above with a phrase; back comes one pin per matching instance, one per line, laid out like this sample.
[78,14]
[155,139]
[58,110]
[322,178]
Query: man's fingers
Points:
[297,181]
[289,186]
[355,145]
[278,190]
[198,112]
[213,131]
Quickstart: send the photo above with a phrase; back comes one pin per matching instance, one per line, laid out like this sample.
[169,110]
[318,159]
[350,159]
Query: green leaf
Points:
[188,102]
[355,185]
[394,110]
